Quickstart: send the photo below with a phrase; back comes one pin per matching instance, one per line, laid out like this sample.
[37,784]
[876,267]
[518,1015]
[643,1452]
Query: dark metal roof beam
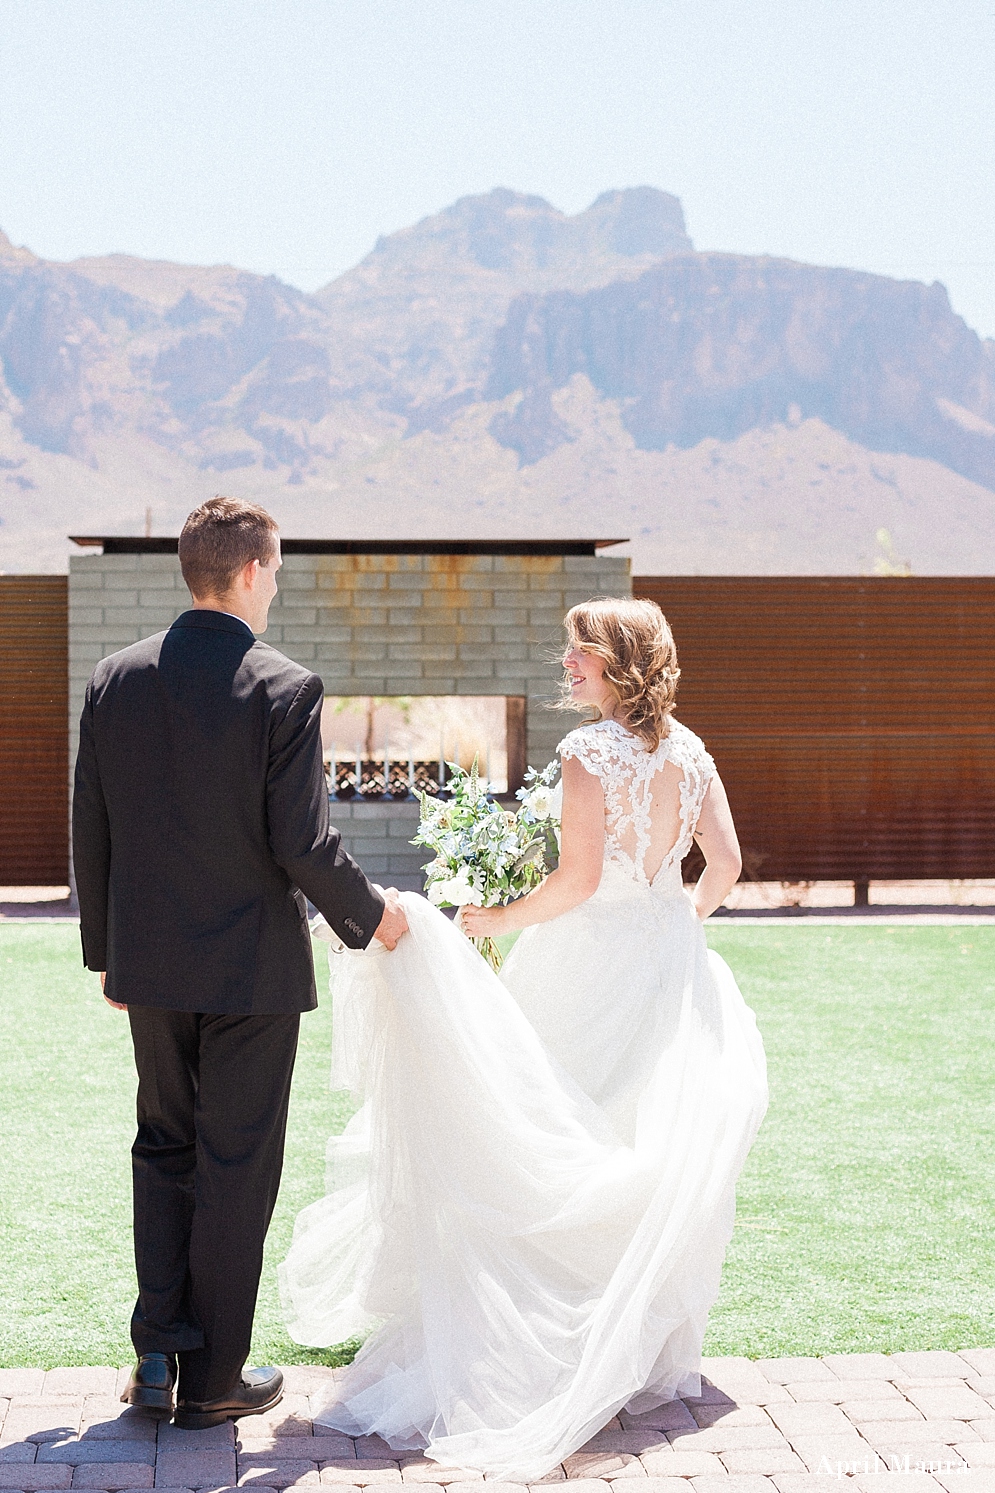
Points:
[126,544]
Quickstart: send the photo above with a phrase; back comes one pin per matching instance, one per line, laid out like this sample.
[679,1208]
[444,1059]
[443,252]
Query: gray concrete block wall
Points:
[373,625]
[379,836]
[115,600]
[441,625]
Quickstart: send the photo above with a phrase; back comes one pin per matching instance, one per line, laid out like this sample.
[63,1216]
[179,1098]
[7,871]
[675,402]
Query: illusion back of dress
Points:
[652,799]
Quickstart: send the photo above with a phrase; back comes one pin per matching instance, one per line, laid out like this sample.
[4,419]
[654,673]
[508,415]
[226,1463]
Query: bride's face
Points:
[585,675]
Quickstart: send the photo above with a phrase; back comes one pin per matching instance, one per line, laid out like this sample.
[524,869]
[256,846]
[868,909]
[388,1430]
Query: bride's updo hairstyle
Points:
[635,642]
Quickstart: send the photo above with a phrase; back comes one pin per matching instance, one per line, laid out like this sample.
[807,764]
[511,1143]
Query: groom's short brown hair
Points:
[219,539]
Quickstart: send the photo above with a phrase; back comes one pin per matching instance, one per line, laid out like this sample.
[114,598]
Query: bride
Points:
[529,1212]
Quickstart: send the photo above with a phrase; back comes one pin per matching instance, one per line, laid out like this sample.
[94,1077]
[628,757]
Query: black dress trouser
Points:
[213,1093]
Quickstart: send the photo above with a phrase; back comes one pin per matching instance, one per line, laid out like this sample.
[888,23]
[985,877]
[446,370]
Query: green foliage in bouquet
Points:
[486,855]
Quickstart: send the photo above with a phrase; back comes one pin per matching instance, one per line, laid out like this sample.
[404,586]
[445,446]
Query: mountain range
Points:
[502,369]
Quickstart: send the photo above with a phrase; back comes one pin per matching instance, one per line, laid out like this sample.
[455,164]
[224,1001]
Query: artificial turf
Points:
[865,1210]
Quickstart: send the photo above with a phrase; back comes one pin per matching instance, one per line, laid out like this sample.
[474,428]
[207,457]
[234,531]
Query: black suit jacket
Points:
[200,817]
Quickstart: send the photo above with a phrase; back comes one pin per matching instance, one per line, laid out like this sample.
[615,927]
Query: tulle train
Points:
[530,1210]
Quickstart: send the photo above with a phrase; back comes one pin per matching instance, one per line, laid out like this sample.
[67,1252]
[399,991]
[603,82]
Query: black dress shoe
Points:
[257,1390]
[151,1384]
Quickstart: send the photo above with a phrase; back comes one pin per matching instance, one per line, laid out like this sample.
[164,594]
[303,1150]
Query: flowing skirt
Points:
[530,1210]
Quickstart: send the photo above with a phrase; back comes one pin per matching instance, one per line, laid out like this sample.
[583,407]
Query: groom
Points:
[200,821]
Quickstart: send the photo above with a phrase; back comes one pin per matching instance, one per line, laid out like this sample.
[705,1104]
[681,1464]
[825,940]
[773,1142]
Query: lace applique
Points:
[626,771]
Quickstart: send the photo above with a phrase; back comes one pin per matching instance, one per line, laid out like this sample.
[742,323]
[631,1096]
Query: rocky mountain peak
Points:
[641,220]
[13,254]
[528,240]
[430,298]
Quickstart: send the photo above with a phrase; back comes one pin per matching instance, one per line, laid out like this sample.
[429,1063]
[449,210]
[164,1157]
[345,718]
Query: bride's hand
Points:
[483,922]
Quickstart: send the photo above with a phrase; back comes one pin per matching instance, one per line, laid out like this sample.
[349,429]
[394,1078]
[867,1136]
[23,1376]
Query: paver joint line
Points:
[772,1426]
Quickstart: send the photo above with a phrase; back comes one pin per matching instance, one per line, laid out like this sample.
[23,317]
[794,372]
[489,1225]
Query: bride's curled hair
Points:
[634,640]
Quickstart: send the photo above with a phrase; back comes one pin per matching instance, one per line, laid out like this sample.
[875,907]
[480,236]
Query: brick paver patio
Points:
[782,1425]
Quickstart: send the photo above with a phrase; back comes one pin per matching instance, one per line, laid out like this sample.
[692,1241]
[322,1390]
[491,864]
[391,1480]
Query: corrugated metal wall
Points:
[34,732]
[851,720]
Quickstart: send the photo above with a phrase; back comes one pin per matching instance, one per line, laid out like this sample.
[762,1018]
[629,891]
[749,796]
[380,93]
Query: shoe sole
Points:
[158,1402]
[203,1420]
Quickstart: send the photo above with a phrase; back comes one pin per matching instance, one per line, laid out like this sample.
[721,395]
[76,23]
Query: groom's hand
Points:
[103,983]
[393,923]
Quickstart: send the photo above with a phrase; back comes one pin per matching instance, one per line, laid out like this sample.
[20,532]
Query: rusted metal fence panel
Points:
[851,719]
[34,731]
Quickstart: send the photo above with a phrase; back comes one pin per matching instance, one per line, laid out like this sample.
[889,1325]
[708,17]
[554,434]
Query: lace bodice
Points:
[641,796]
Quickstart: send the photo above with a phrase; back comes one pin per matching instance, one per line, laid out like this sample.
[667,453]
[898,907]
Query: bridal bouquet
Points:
[484,854]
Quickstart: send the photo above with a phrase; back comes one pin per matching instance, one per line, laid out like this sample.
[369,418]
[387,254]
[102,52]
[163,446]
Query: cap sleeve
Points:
[706,762]
[587,747]
[688,751]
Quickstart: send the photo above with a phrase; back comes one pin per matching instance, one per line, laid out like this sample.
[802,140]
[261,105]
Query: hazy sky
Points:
[285,135]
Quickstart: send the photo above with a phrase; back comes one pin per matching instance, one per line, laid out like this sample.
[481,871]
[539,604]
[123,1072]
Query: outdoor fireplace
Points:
[419,621]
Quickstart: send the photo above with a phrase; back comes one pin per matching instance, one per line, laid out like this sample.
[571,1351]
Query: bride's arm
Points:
[582,850]
[716,834]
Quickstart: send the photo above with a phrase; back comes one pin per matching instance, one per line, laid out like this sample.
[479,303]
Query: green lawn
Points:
[866,1209]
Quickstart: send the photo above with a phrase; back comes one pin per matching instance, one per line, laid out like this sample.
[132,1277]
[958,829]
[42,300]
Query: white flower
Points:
[539,803]
[457,891]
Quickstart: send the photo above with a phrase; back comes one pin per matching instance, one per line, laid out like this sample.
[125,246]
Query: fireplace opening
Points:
[395,747]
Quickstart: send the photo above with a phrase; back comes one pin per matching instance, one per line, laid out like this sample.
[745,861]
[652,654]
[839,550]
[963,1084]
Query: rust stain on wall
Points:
[451,564]
[367,564]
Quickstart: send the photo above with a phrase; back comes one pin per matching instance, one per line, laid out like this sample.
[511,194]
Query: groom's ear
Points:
[247,575]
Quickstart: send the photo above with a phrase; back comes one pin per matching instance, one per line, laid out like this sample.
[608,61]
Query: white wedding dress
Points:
[531,1207]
